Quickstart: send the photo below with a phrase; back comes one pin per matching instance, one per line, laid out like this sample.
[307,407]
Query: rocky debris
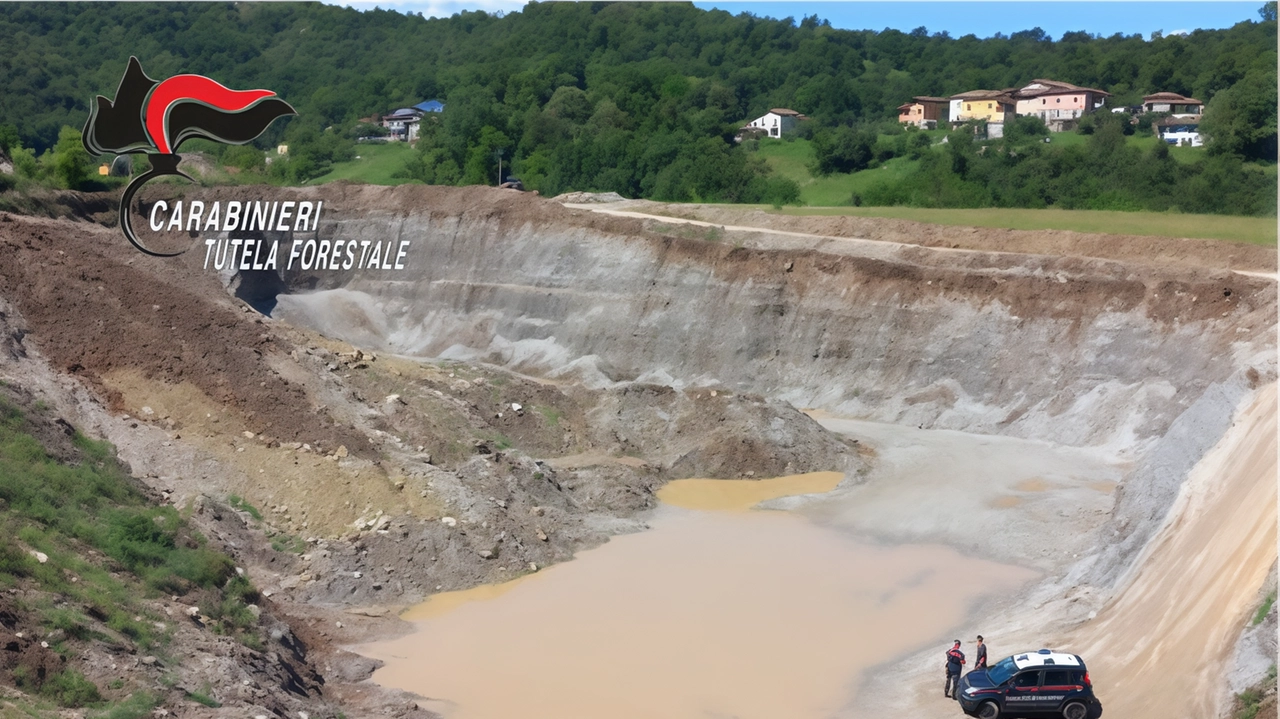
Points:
[708,433]
[582,198]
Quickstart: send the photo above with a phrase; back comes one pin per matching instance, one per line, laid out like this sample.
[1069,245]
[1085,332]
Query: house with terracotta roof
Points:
[988,105]
[774,123]
[1172,102]
[923,111]
[1058,104]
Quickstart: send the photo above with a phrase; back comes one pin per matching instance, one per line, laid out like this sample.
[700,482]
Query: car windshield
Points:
[1000,672]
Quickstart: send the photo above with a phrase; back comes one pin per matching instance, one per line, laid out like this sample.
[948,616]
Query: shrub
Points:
[136,706]
[70,688]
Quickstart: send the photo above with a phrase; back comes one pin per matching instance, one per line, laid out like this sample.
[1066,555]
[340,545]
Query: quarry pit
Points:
[1089,419]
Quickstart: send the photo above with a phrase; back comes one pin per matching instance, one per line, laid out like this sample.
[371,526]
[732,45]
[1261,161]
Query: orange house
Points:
[923,111]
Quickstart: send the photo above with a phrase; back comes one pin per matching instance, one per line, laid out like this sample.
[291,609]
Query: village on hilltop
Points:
[1059,104]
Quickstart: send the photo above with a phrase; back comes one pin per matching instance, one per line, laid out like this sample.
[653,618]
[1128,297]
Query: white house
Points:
[403,123]
[775,123]
[1184,130]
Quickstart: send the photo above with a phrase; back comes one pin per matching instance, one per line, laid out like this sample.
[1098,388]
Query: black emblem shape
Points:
[156,117]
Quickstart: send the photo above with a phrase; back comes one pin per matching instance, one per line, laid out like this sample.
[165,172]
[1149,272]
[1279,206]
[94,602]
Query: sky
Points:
[983,19]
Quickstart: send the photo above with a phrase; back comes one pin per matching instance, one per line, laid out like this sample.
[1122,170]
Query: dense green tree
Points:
[1241,120]
[843,149]
[8,137]
[639,98]
[71,164]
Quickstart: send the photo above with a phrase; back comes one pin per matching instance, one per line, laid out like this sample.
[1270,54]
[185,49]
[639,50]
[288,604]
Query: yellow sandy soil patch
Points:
[324,495]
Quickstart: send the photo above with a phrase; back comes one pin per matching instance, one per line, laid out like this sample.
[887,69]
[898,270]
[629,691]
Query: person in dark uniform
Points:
[980,660]
[955,665]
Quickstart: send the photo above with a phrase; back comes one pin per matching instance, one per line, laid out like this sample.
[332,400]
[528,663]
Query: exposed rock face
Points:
[1083,351]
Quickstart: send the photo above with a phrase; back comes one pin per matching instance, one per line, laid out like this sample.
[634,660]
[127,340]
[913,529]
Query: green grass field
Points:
[830,195]
[1256,230]
[792,158]
[375,165]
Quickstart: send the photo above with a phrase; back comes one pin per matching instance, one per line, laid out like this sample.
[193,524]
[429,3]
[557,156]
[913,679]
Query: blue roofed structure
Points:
[430,106]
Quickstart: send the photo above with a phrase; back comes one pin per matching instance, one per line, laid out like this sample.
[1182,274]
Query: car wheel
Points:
[1075,710]
[988,710]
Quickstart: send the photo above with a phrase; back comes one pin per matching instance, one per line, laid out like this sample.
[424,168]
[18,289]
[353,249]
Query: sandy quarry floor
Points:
[1013,500]
[1158,645]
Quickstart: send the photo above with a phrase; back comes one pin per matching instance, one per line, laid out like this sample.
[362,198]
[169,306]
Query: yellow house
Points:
[987,105]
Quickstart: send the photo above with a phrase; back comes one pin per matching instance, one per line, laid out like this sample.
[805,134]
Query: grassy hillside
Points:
[374,165]
[83,550]
[792,159]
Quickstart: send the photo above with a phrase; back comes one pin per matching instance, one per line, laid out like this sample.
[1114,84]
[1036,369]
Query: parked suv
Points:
[1035,684]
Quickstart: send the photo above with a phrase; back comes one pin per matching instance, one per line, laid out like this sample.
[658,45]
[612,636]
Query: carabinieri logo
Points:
[156,117]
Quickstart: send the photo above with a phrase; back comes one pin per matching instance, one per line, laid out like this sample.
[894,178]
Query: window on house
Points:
[968,106]
[1059,100]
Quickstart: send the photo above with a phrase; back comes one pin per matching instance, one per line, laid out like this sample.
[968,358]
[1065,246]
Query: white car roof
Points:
[1045,657]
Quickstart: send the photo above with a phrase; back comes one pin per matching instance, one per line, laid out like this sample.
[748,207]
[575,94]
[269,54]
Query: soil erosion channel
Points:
[715,611]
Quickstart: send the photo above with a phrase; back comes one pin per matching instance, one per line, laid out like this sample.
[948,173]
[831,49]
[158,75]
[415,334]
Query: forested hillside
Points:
[638,98]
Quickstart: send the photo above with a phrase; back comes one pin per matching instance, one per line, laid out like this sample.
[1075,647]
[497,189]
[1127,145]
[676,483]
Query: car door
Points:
[1020,699]
[1056,686]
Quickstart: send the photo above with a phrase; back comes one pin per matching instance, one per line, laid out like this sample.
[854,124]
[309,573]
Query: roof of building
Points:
[1042,86]
[405,112]
[1045,657]
[926,98]
[430,106]
[784,111]
[1172,98]
[1004,96]
[977,94]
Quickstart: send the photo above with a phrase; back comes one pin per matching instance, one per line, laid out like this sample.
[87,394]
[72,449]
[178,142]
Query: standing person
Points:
[980,660]
[955,665]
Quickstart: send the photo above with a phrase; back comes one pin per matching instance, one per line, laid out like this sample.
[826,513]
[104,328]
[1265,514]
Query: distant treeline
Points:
[638,98]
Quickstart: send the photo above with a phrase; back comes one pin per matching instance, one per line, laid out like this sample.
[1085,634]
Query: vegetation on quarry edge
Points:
[82,548]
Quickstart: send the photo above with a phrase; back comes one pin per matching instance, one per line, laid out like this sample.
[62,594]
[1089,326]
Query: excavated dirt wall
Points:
[1082,351]
[1147,360]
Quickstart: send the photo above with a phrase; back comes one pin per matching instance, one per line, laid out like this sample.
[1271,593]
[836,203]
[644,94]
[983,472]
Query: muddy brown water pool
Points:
[716,611]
